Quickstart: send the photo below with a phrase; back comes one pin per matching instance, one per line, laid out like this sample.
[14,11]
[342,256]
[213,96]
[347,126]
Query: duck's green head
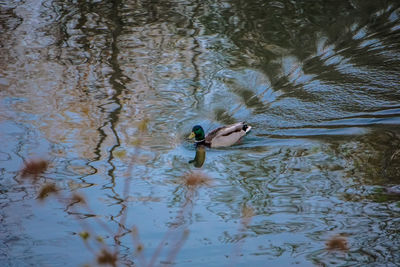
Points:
[197,133]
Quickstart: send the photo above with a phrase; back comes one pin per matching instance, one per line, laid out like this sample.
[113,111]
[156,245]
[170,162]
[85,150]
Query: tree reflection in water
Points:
[318,80]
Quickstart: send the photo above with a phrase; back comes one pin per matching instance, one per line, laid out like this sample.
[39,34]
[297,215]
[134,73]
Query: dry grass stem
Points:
[195,179]
[33,168]
[139,247]
[46,190]
[247,214]
[107,258]
[337,242]
[174,251]
[85,235]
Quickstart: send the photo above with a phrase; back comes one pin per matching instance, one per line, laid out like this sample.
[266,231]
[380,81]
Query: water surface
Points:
[107,91]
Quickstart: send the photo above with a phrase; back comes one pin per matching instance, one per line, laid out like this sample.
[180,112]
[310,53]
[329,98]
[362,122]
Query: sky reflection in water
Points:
[108,91]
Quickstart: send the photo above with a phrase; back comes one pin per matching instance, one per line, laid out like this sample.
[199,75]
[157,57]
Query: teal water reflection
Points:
[107,92]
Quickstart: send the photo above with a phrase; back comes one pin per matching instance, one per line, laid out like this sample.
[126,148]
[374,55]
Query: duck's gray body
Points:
[227,135]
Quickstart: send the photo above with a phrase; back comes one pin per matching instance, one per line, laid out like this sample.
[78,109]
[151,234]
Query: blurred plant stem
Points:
[78,206]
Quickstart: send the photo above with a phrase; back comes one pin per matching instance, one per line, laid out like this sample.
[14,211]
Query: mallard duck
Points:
[223,136]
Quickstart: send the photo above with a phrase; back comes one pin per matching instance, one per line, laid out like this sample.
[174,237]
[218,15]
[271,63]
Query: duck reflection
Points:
[200,156]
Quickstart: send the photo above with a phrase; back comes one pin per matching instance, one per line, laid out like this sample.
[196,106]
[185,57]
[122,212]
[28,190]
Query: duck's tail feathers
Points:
[246,128]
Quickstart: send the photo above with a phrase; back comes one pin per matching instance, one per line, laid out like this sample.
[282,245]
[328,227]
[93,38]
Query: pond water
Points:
[107,92]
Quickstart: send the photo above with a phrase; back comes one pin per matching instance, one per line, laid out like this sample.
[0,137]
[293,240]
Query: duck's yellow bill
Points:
[192,135]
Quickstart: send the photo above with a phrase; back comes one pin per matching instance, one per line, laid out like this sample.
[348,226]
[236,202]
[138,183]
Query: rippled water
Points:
[108,90]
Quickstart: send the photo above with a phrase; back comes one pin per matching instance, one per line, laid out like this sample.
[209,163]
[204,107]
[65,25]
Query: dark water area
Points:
[107,91]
